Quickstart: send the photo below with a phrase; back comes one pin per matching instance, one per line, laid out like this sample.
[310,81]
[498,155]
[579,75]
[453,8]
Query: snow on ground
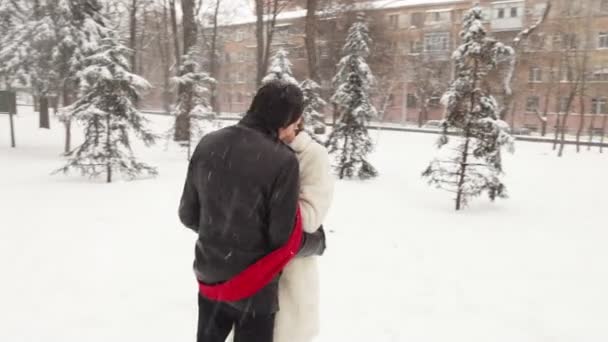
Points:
[82,260]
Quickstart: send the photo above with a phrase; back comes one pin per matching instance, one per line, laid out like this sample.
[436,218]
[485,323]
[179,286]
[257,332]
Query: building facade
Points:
[411,57]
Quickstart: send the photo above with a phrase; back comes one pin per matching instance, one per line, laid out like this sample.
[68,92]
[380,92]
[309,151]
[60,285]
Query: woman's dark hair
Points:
[277,104]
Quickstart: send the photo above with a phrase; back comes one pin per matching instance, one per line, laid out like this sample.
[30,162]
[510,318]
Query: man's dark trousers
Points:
[216,320]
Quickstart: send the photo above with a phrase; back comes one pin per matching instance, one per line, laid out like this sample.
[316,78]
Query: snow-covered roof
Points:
[440,10]
[506,2]
[386,4]
[244,17]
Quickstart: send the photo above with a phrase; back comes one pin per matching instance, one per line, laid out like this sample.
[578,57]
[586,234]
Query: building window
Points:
[282,32]
[532,103]
[411,101]
[602,40]
[240,78]
[436,41]
[416,46]
[514,12]
[604,6]
[392,47]
[239,97]
[600,75]
[537,42]
[500,13]
[562,105]
[599,105]
[556,42]
[240,35]
[570,41]
[393,21]
[227,57]
[438,16]
[535,75]
[435,102]
[324,52]
[566,72]
[417,19]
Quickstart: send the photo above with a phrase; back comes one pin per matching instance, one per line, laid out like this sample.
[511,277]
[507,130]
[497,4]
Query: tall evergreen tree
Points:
[314,120]
[106,105]
[280,68]
[350,141]
[471,164]
[193,103]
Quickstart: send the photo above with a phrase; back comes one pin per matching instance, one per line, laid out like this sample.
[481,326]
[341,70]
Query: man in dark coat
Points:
[240,196]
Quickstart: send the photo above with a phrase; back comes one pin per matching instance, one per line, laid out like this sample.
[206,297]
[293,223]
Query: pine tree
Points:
[350,141]
[471,164]
[314,120]
[280,68]
[194,102]
[45,45]
[107,112]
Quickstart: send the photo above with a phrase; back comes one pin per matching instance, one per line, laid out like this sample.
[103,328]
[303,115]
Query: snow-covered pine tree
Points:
[107,112]
[471,164]
[193,103]
[280,68]
[350,141]
[314,120]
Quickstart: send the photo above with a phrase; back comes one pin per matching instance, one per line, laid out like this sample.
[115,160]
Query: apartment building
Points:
[410,34]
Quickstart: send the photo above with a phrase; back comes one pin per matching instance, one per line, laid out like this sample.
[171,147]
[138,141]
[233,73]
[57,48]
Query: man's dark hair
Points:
[277,104]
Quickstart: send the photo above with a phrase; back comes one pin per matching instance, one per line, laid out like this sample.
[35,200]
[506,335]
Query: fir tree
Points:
[471,164]
[350,141]
[193,103]
[314,120]
[280,68]
[106,110]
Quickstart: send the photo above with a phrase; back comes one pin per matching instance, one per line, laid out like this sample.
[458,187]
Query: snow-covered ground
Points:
[81,260]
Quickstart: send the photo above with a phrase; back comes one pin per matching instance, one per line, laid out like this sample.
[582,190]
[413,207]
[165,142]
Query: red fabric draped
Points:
[257,276]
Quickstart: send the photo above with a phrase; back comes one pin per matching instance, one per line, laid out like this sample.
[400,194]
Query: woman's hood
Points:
[301,142]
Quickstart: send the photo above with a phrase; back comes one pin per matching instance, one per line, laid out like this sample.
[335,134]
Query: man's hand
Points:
[313,244]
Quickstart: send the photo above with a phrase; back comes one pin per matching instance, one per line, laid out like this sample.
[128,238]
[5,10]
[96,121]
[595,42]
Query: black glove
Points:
[313,244]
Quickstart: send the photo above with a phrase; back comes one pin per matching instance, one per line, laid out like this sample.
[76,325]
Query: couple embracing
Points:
[257,193]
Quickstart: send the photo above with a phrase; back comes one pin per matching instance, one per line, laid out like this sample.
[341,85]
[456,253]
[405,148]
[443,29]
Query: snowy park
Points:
[85,260]
[338,170]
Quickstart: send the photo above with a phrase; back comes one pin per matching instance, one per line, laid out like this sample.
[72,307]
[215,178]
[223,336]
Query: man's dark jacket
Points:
[240,196]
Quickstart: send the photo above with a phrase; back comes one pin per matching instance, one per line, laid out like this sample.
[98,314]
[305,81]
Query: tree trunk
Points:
[182,121]
[581,125]
[259,35]
[213,57]
[465,152]
[133,34]
[164,51]
[543,119]
[108,150]
[35,100]
[175,35]
[66,121]
[311,39]
[45,121]
[463,170]
[343,160]
[269,37]
[565,123]
[12,125]
[604,122]
[557,129]
[422,115]
[579,131]
[591,127]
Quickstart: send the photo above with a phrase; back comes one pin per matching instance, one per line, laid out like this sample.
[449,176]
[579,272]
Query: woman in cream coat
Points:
[299,295]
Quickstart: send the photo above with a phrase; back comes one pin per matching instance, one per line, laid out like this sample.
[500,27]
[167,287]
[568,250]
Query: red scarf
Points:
[257,276]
